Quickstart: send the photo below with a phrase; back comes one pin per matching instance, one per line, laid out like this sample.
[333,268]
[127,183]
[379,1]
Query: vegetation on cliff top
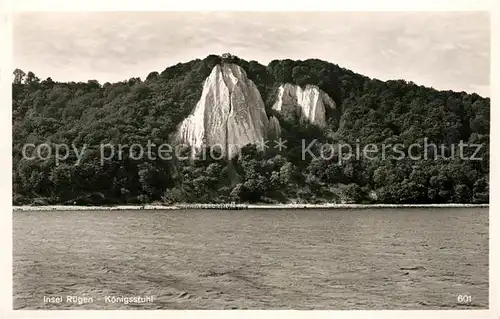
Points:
[135,111]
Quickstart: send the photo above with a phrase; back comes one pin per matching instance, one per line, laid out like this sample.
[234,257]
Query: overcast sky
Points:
[445,50]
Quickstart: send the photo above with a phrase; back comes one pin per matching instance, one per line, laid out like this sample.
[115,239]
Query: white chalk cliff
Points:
[274,127]
[309,104]
[229,114]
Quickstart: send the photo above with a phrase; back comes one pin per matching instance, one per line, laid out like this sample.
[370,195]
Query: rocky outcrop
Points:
[309,104]
[274,128]
[230,113]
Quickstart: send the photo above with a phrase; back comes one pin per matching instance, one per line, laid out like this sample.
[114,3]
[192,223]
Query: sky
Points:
[444,50]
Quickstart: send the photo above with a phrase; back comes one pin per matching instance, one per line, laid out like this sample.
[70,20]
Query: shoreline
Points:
[241,206]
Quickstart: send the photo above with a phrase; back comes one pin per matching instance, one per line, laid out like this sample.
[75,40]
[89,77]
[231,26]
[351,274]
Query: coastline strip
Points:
[243,206]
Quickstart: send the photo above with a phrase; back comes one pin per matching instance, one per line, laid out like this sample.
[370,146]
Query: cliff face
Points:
[274,127]
[309,104]
[229,114]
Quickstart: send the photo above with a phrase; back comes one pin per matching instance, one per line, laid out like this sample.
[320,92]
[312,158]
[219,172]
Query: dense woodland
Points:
[135,111]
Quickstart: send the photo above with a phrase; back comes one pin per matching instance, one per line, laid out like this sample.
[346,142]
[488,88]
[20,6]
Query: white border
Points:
[5,160]
[254,5]
[7,6]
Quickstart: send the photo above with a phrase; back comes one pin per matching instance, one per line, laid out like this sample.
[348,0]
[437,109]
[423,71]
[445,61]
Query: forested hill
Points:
[87,115]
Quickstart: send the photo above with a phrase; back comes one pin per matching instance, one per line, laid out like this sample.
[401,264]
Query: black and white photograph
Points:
[250,160]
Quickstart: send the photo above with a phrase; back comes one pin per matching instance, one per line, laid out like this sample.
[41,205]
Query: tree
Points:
[152,76]
[481,191]
[462,194]
[351,193]
[31,78]
[18,76]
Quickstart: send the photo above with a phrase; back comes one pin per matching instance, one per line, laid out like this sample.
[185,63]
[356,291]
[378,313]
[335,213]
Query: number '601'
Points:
[464,298]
